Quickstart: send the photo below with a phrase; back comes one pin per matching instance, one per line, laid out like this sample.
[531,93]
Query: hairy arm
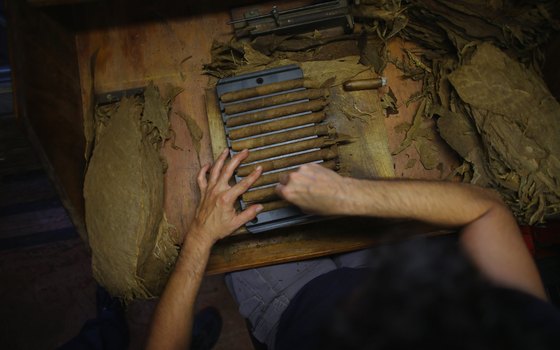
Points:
[489,234]
[215,218]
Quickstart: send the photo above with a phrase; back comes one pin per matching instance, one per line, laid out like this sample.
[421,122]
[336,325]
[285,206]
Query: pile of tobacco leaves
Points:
[480,64]
[131,242]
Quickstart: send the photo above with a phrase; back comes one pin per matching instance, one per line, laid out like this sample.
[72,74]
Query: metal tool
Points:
[329,14]
[115,96]
[277,213]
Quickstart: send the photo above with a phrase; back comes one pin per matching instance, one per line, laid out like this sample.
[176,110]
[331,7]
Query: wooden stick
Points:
[277,125]
[312,106]
[261,90]
[310,94]
[271,178]
[319,130]
[275,205]
[322,154]
[286,149]
[261,195]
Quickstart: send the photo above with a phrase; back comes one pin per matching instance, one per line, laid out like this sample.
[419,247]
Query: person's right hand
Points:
[315,189]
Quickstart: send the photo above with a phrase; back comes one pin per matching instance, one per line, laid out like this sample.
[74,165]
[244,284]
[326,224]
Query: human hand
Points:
[216,216]
[315,189]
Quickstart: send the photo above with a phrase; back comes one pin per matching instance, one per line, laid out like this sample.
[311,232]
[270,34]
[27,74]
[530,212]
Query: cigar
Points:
[313,106]
[271,178]
[260,195]
[364,84]
[322,154]
[261,90]
[276,125]
[310,94]
[293,147]
[275,205]
[319,130]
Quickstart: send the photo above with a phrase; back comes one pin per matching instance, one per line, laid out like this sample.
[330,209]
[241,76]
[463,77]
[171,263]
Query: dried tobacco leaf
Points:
[429,153]
[517,118]
[389,102]
[131,242]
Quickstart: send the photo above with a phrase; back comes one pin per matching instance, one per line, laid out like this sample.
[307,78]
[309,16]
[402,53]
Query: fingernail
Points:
[259,208]
[259,168]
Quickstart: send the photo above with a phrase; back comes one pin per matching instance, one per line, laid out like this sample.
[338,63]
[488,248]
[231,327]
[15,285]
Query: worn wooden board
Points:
[311,241]
[168,51]
[171,50]
[367,155]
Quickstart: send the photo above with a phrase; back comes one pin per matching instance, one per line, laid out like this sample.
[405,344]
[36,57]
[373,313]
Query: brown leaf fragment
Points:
[410,163]
[402,127]
[389,103]
[429,153]
[195,131]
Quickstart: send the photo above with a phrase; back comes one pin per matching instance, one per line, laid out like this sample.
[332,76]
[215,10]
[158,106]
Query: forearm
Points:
[216,217]
[490,235]
[173,318]
[442,203]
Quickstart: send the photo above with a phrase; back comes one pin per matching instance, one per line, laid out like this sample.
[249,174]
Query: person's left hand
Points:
[216,216]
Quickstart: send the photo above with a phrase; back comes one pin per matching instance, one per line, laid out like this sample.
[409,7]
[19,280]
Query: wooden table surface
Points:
[172,51]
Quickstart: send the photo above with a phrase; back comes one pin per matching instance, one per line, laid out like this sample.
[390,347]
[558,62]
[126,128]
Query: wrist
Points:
[349,201]
[195,244]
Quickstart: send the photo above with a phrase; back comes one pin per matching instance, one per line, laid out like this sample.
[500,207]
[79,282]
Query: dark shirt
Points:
[305,321]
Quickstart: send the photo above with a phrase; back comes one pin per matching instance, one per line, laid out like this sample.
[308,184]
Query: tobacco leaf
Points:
[420,128]
[461,134]
[124,180]
[429,153]
[410,163]
[389,102]
[402,127]
[373,52]
[154,115]
[195,131]
[517,119]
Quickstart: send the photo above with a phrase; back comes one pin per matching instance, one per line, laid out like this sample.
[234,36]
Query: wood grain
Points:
[316,240]
[167,51]
[127,48]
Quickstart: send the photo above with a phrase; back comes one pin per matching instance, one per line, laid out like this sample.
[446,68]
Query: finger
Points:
[201,178]
[217,168]
[247,215]
[246,183]
[233,164]
[284,179]
[280,189]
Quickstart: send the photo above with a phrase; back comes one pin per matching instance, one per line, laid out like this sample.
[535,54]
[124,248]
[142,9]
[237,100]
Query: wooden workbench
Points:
[127,47]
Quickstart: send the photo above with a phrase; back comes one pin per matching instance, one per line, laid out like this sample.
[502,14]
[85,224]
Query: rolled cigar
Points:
[261,195]
[268,179]
[275,205]
[261,90]
[319,130]
[298,146]
[324,153]
[313,106]
[364,84]
[276,125]
[310,94]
